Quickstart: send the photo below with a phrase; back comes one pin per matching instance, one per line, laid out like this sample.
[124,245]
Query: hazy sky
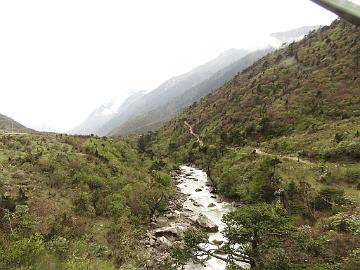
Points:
[61,59]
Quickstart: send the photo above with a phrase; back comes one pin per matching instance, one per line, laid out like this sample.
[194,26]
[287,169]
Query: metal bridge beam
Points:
[343,8]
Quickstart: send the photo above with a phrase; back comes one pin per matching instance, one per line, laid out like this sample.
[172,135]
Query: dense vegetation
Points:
[71,202]
[299,108]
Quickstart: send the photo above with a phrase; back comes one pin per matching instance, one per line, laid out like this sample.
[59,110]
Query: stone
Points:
[206,223]
[151,242]
[164,242]
[168,231]
[171,216]
[217,242]
[162,222]
[197,204]
[211,205]
[198,190]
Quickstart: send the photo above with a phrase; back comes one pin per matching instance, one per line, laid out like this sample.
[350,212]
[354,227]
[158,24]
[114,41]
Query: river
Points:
[204,202]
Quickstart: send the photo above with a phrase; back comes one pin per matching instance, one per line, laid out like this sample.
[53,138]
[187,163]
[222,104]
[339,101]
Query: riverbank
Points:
[194,205]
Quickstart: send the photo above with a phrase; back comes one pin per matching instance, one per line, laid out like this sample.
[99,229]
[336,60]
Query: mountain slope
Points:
[153,119]
[311,87]
[8,124]
[285,134]
[291,35]
[153,109]
[171,89]
[103,114]
[75,202]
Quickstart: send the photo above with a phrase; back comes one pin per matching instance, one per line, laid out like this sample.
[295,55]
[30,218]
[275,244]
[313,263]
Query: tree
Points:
[159,192]
[254,231]
[263,182]
[211,153]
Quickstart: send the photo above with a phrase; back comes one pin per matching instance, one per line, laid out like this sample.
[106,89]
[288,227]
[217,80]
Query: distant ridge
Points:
[149,110]
[294,34]
[10,125]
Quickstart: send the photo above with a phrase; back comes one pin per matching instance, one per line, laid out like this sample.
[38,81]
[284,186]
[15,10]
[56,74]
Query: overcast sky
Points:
[61,59]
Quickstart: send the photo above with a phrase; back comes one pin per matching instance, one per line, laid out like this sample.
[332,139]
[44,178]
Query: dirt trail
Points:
[193,133]
[12,133]
[258,151]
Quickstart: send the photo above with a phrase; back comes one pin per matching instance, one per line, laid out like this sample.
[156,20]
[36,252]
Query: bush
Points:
[349,151]
[58,178]
[344,223]
[112,205]
[352,175]
[93,181]
[59,247]
[81,202]
[21,253]
[338,137]
[327,197]
[353,261]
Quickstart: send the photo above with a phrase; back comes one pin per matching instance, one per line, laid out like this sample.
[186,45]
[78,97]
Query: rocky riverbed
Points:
[194,205]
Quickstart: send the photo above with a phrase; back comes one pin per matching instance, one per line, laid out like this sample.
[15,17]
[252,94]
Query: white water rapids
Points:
[195,179]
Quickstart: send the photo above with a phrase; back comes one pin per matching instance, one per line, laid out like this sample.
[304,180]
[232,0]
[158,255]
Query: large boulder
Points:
[171,231]
[206,223]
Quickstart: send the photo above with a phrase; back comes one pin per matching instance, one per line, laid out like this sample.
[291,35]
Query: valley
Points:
[250,161]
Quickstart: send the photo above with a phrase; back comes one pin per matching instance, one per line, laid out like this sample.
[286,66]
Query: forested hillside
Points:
[71,202]
[282,138]
[309,88]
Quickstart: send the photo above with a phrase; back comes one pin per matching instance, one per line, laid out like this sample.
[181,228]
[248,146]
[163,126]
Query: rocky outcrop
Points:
[167,229]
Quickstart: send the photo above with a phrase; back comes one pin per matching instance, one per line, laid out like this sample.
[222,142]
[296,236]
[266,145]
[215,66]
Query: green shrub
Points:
[81,202]
[92,180]
[113,205]
[343,222]
[59,247]
[25,252]
[58,178]
[350,151]
[353,261]
[328,197]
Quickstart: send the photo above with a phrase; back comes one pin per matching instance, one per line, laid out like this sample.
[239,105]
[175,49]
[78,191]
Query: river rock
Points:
[211,205]
[197,204]
[151,242]
[217,242]
[162,222]
[171,216]
[198,190]
[164,243]
[206,223]
[168,231]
